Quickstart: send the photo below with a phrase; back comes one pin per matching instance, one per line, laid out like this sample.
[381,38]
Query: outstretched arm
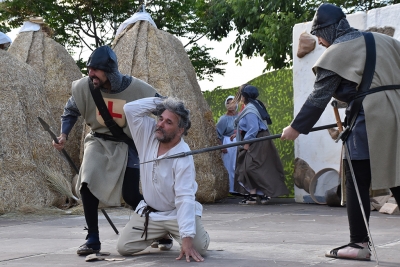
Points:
[326,83]
[185,190]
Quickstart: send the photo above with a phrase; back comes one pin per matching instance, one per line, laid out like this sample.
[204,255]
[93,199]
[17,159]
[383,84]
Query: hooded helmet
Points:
[250,92]
[103,58]
[327,14]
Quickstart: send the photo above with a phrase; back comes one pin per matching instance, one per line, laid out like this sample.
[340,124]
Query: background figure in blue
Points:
[225,129]
[259,170]
[374,142]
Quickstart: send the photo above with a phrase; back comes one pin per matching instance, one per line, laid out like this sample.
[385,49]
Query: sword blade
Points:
[213,148]
[47,128]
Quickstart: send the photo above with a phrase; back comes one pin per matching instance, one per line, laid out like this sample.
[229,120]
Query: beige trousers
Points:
[130,240]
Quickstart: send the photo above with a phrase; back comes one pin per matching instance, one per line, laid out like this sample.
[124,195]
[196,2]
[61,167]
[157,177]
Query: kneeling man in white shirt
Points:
[169,186]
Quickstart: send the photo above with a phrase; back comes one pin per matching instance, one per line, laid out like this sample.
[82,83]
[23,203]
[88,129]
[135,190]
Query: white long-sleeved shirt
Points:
[169,185]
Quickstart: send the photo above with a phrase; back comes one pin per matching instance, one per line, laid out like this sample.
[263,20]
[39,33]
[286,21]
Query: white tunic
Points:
[168,186]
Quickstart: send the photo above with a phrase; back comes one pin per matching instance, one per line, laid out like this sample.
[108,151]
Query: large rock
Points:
[160,59]
[57,70]
[25,149]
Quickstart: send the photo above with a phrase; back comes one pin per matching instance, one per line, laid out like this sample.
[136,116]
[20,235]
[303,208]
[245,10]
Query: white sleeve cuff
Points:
[187,235]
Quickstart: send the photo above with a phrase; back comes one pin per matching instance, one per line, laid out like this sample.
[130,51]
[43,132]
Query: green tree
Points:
[264,27]
[92,23]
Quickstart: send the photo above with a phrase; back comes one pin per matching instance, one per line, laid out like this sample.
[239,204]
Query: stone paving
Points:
[282,233]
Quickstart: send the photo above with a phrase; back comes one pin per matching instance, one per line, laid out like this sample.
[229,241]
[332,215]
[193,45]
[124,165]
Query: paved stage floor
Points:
[281,233]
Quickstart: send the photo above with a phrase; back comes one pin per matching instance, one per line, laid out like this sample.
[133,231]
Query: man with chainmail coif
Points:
[373,141]
[109,164]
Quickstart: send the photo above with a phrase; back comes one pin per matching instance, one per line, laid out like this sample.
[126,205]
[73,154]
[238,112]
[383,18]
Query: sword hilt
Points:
[343,135]
[334,103]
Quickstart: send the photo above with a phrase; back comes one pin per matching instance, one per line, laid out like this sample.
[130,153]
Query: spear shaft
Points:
[212,148]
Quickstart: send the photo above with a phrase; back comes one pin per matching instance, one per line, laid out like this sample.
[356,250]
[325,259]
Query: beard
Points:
[100,83]
[165,138]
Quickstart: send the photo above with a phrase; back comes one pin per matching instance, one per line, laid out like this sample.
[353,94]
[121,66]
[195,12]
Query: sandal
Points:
[264,199]
[248,200]
[363,254]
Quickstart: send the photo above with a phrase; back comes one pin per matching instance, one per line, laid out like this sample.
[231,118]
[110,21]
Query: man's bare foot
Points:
[353,251]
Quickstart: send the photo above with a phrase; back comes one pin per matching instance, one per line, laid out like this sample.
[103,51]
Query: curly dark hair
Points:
[178,107]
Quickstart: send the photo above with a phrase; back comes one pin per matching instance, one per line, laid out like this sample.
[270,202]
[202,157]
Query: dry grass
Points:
[160,59]
[57,70]
[57,182]
[31,212]
[76,210]
[23,143]
[25,209]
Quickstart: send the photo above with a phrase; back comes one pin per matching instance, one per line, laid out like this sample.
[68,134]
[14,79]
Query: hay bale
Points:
[23,143]
[57,71]
[160,59]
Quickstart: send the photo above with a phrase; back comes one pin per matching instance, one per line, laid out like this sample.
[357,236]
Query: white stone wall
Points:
[317,148]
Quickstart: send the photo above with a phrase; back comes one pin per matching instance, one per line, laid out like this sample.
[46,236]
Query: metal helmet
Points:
[103,58]
[327,14]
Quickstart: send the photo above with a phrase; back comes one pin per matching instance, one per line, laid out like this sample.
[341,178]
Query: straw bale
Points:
[57,70]
[160,59]
[23,143]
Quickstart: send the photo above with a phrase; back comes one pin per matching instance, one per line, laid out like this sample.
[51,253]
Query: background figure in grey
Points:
[374,142]
[259,170]
[225,128]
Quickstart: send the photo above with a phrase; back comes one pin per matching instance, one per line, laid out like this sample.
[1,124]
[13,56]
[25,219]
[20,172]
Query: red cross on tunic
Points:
[110,109]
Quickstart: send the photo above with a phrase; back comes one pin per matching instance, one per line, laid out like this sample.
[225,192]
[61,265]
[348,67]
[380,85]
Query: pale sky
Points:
[234,75]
